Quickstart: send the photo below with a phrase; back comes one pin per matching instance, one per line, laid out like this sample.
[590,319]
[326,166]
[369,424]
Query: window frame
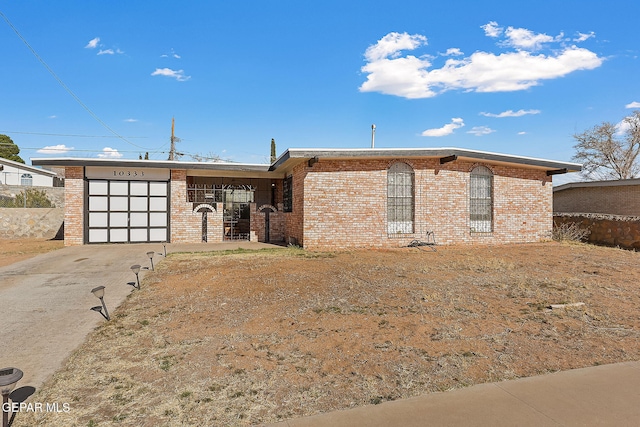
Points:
[401,198]
[26,180]
[287,194]
[481,200]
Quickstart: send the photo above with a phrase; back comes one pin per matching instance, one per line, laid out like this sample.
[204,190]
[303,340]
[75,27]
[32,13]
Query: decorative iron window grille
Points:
[400,198]
[287,194]
[220,193]
[481,200]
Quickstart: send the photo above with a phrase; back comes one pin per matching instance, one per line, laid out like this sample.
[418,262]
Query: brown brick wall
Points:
[294,232]
[345,204]
[74,206]
[184,225]
[276,222]
[613,200]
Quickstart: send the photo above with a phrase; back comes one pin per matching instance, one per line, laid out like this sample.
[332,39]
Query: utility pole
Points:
[172,151]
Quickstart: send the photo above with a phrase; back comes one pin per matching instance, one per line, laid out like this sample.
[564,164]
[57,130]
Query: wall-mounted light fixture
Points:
[99,293]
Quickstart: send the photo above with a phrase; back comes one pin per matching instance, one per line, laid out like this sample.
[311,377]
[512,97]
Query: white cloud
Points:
[445,130]
[52,117]
[522,133]
[409,76]
[172,54]
[453,51]
[521,38]
[55,149]
[582,37]
[392,44]
[633,104]
[492,29]
[109,153]
[130,120]
[168,72]
[93,43]
[481,130]
[109,52]
[511,113]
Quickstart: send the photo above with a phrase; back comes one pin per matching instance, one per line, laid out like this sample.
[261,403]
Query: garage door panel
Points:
[127,211]
[119,235]
[98,219]
[158,204]
[158,234]
[118,203]
[98,236]
[119,188]
[139,234]
[157,189]
[139,204]
[138,219]
[158,219]
[98,188]
[98,203]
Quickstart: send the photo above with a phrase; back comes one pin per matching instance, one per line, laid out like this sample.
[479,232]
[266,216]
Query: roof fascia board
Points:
[19,165]
[162,164]
[472,155]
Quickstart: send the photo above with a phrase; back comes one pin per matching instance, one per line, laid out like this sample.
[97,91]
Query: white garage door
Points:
[127,211]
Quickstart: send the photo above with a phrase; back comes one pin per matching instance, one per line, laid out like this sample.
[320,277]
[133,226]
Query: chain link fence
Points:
[27,198]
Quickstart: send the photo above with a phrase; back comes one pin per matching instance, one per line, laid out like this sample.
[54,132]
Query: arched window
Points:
[400,199]
[481,200]
[26,179]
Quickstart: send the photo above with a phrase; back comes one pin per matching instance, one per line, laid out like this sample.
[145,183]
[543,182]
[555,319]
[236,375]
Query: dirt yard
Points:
[241,338]
[18,250]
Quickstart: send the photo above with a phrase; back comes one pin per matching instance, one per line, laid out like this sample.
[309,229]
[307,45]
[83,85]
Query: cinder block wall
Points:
[345,204]
[74,206]
[613,200]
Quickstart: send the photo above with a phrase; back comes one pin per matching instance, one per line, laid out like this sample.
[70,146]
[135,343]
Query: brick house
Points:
[619,197]
[317,198]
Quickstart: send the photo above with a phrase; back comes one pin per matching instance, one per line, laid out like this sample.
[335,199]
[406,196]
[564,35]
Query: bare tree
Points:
[609,151]
[211,157]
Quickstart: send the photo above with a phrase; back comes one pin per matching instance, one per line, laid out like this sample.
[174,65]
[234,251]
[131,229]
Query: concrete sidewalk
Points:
[45,300]
[606,395]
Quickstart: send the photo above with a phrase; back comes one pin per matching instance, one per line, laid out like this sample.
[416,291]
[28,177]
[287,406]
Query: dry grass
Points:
[250,338]
[20,249]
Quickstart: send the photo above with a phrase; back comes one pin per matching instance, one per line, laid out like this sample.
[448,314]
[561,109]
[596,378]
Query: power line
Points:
[73,95]
[71,135]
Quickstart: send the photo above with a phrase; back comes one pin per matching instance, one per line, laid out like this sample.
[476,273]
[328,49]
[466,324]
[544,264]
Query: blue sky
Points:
[503,76]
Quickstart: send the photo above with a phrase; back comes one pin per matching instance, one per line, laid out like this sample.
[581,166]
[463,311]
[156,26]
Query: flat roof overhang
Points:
[294,156]
[222,169]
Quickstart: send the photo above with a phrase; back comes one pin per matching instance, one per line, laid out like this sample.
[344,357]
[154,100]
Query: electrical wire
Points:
[70,135]
[73,95]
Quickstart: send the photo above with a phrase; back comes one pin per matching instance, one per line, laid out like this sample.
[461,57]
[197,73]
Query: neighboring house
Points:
[619,197]
[317,198]
[15,173]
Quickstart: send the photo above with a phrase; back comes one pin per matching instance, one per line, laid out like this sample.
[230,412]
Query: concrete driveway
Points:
[45,301]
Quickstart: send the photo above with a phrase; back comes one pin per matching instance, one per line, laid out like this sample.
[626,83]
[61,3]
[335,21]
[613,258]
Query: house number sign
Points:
[127,174]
